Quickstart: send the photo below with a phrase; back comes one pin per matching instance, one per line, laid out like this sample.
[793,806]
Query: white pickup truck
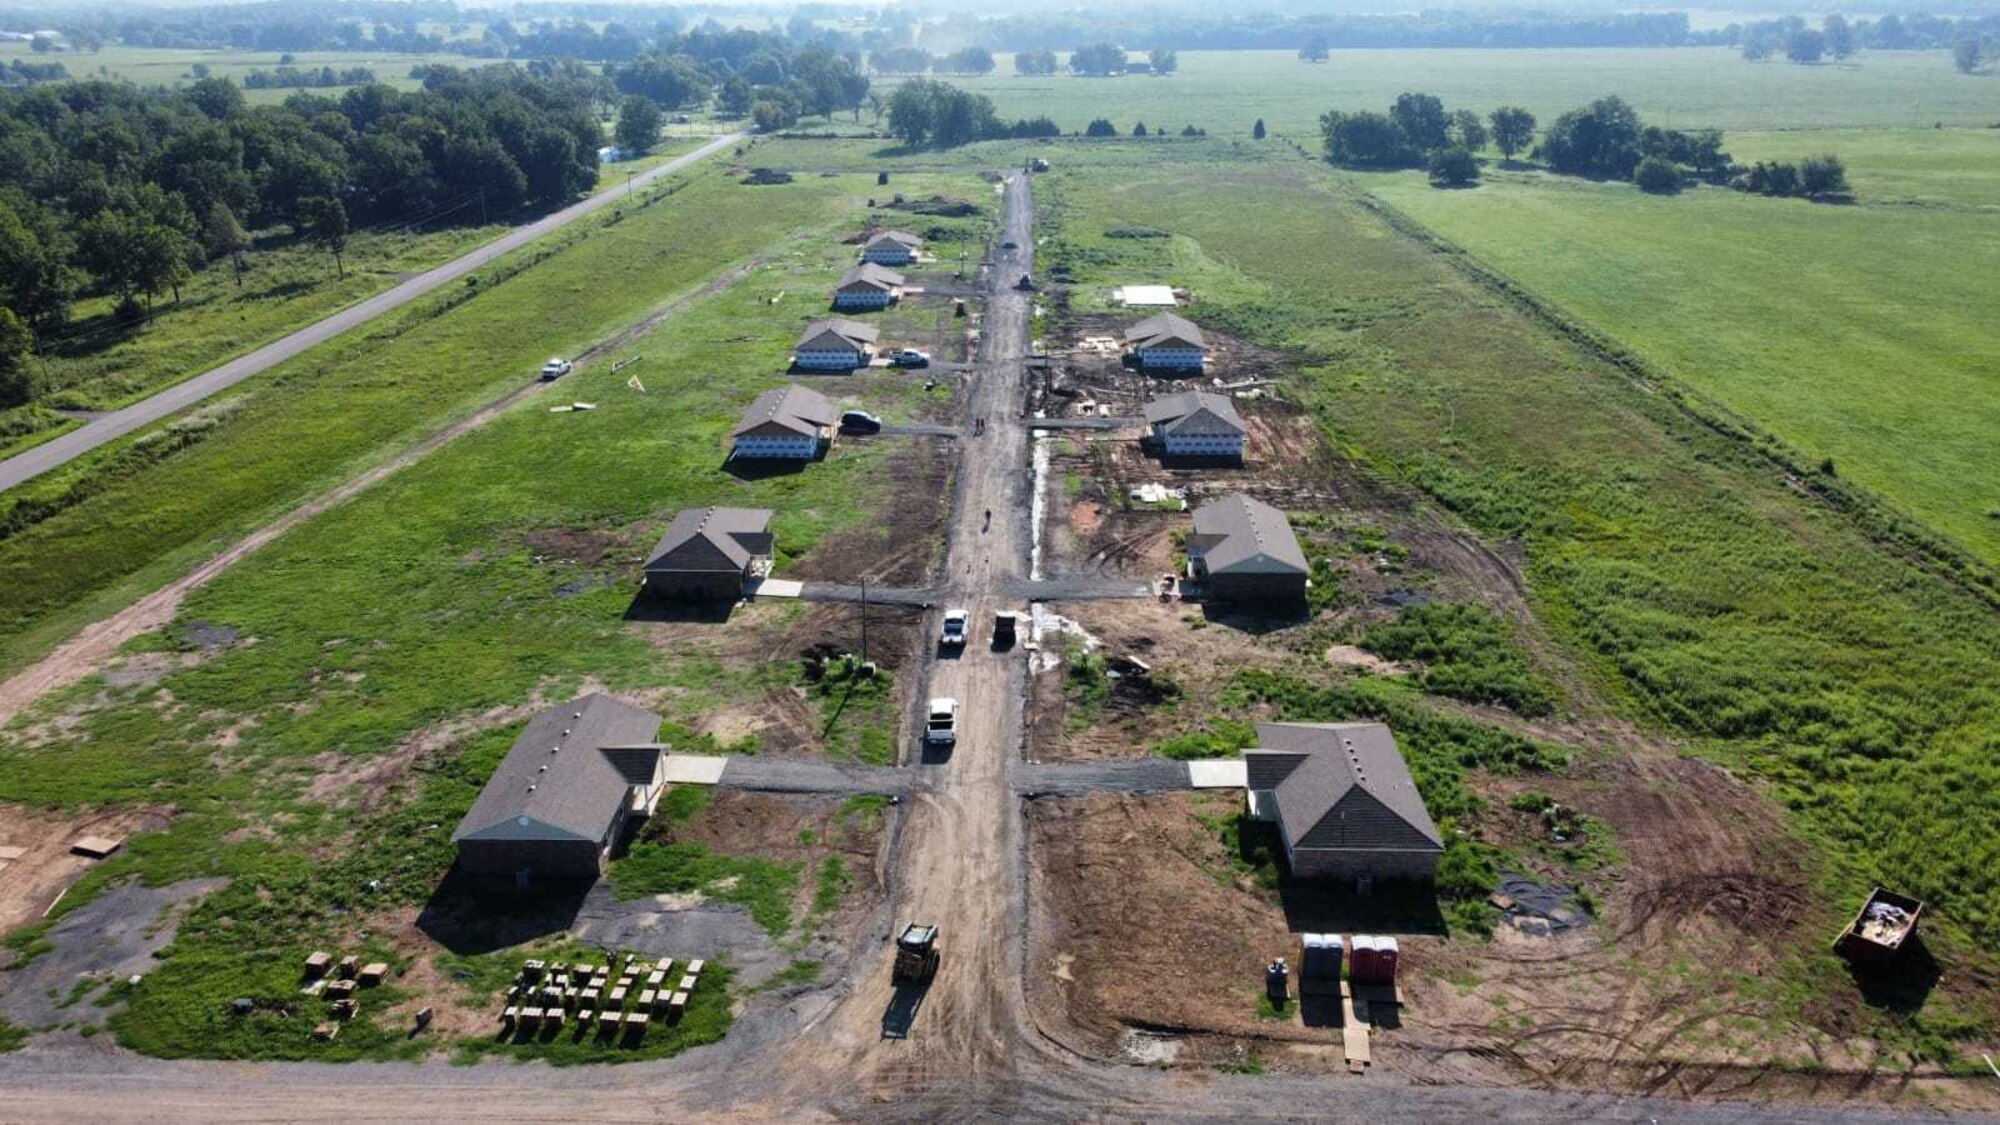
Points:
[555,368]
[941,725]
[956,624]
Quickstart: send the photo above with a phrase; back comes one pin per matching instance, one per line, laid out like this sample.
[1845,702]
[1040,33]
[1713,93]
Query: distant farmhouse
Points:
[1196,424]
[710,554]
[836,345]
[868,286]
[790,422]
[1166,342]
[553,810]
[892,248]
[1243,550]
[1342,798]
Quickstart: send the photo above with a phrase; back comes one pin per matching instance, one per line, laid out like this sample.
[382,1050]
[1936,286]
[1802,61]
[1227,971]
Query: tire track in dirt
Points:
[93,647]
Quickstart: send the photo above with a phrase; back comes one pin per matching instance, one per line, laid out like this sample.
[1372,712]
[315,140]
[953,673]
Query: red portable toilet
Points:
[1385,960]
[1362,961]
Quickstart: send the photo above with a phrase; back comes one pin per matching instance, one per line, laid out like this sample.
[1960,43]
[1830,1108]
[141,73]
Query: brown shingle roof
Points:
[853,333]
[1195,412]
[872,276]
[1164,329]
[799,409]
[557,783]
[899,236]
[1347,787]
[1240,530]
[709,539]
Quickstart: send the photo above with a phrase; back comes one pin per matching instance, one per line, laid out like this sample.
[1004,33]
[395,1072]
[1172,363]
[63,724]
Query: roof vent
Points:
[531,789]
[541,769]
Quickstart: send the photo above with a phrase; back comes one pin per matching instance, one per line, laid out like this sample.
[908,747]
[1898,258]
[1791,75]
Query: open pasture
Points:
[1684,87]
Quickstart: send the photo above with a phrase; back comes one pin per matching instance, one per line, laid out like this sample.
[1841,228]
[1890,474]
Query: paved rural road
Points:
[116,424]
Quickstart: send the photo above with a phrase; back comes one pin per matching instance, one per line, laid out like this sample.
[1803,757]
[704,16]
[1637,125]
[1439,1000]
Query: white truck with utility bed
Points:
[941,723]
[957,622]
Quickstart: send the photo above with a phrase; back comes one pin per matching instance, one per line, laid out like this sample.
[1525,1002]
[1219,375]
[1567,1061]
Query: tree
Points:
[1100,127]
[1257,130]
[1805,46]
[17,381]
[1513,129]
[219,99]
[1315,49]
[1163,60]
[1657,175]
[1365,140]
[1423,121]
[1139,130]
[42,45]
[1453,167]
[1839,35]
[671,80]
[771,114]
[325,226]
[900,60]
[1035,62]
[1822,175]
[925,112]
[1601,139]
[1467,130]
[971,60]
[736,97]
[1099,60]
[223,237]
[1965,55]
[639,121]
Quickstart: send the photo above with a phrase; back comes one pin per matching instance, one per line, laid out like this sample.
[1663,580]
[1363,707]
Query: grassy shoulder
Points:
[1699,593]
[343,404]
[1785,312]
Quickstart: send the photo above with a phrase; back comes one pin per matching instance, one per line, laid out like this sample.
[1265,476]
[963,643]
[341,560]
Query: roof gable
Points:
[837,332]
[1249,535]
[704,539]
[556,783]
[869,276]
[790,408]
[901,238]
[1348,789]
[1165,330]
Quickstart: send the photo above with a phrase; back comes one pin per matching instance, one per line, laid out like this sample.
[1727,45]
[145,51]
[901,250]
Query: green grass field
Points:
[1863,333]
[170,66]
[499,570]
[1225,91]
[318,417]
[1698,592]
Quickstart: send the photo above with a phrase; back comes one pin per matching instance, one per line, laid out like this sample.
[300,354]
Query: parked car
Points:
[1010,244]
[555,368]
[941,726]
[860,422]
[956,622]
[911,357]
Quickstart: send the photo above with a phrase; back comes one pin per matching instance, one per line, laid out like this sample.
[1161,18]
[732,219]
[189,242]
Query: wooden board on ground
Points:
[96,847]
[11,852]
[1353,1036]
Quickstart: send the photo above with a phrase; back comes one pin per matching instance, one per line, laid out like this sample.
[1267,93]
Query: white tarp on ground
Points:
[1144,295]
[694,769]
[774,588]
[1226,773]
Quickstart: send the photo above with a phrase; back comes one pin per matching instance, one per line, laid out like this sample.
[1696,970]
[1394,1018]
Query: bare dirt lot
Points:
[45,867]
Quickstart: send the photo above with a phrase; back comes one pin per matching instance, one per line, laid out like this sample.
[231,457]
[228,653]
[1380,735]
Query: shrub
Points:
[1100,128]
[1453,167]
[1657,176]
[1466,653]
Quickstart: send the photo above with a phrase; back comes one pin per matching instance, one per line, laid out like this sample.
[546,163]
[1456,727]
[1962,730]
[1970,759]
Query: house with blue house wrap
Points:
[1166,343]
[785,423]
[868,286]
[1196,424]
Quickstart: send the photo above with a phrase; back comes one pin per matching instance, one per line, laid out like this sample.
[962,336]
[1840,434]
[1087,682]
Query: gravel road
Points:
[117,423]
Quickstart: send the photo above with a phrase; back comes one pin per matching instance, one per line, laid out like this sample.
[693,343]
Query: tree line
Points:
[292,78]
[106,188]
[926,113]
[1603,140]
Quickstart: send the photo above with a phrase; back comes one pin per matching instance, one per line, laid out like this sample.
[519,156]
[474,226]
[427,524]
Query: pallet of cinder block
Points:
[318,962]
[677,1006]
[372,973]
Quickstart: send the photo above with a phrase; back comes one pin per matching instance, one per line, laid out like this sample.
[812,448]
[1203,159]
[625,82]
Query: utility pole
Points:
[864,621]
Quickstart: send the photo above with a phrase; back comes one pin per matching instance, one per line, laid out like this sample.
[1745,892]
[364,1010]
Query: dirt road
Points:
[116,424]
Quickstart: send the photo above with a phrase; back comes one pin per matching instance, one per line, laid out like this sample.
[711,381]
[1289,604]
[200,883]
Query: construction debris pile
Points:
[546,997]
